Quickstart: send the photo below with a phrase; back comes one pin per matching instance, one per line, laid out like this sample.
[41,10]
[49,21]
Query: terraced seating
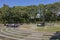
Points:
[13,33]
[39,36]
[18,34]
[4,38]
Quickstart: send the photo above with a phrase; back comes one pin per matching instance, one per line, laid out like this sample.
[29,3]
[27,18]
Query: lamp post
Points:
[42,14]
[43,17]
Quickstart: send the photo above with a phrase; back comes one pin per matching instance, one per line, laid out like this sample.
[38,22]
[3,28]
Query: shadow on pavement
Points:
[56,36]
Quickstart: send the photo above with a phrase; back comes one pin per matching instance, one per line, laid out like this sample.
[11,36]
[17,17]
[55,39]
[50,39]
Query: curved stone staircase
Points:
[14,33]
[19,34]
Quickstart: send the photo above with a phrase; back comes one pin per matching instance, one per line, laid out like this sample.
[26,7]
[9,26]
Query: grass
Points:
[43,29]
[48,29]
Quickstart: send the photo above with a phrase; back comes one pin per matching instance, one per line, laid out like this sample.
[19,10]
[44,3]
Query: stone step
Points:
[13,35]
[17,32]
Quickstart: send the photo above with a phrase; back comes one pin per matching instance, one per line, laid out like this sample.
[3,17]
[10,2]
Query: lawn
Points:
[48,29]
[44,29]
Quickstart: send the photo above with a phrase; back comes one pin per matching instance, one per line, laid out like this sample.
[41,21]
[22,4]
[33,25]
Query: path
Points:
[23,34]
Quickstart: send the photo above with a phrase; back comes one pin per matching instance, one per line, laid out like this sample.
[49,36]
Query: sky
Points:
[26,2]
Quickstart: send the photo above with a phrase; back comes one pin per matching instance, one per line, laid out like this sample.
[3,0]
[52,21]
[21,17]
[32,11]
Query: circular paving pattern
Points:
[19,34]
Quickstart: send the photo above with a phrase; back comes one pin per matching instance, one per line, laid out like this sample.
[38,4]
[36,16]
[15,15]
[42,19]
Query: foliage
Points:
[27,14]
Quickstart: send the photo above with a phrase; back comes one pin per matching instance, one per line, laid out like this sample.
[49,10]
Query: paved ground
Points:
[23,32]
